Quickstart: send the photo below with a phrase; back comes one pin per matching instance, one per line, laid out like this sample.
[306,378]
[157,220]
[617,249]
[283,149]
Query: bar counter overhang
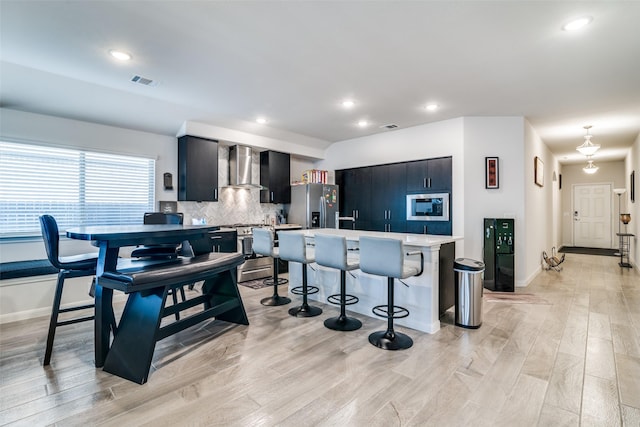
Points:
[420,296]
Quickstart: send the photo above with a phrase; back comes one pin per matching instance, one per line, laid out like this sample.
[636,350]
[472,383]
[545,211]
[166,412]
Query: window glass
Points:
[76,187]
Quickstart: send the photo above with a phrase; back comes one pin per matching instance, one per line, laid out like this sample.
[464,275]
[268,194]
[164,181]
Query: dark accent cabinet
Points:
[429,175]
[197,169]
[355,197]
[275,174]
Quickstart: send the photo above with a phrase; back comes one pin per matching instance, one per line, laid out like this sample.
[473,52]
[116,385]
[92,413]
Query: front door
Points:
[592,215]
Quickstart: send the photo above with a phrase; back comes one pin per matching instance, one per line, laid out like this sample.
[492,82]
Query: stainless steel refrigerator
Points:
[314,205]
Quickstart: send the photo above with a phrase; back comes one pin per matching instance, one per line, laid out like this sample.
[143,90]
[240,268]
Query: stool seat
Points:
[386,257]
[264,244]
[293,247]
[332,252]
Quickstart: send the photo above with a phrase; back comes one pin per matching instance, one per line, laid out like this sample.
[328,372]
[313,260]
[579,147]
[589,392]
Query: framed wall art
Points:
[538,171]
[491,173]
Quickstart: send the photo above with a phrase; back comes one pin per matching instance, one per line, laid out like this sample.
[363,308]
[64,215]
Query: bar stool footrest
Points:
[348,299]
[299,290]
[269,281]
[383,311]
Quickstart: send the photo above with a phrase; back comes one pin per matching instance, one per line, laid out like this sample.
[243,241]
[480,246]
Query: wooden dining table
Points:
[109,239]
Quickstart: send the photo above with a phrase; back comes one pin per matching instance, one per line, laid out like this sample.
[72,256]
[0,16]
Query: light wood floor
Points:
[573,358]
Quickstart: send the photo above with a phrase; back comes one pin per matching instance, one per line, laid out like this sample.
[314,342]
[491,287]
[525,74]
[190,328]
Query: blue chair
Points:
[70,266]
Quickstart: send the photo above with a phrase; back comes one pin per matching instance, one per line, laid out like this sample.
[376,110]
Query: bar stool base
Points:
[341,323]
[275,300]
[305,311]
[389,340]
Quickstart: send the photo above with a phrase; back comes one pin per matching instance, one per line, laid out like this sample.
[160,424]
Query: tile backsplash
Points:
[234,206]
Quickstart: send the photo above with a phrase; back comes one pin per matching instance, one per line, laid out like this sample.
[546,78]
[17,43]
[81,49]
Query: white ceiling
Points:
[226,62]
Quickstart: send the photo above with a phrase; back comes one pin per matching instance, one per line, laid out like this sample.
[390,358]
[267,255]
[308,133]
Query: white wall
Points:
[539,204]
[500,137]
[608,173]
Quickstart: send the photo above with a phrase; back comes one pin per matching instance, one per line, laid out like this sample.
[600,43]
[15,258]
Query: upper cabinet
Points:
[275,170]
[197,169]
[429,175]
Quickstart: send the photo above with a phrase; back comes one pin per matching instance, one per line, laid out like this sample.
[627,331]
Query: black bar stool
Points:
[264,244]
[331,251]
[69,266]
[386,257]
[293,247]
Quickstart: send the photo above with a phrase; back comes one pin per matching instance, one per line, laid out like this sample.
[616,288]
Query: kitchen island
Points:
[420,297]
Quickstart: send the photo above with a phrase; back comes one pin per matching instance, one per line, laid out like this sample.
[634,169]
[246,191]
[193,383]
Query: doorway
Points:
[592,215]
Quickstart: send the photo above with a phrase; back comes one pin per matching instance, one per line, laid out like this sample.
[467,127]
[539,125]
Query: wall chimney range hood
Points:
[240,168]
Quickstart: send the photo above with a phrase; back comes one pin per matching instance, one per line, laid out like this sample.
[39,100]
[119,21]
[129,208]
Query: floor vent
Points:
[143,81]
[389,126]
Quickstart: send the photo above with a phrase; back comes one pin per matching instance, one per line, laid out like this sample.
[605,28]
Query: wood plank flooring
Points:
[571,359]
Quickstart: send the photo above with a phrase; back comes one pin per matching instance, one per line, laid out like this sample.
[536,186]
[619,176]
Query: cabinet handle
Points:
[429,182]
[424,184]
[424,231]
[272,196]
[215,193]
[389,217]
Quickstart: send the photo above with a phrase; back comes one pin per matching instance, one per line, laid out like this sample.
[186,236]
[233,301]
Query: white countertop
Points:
[419,240]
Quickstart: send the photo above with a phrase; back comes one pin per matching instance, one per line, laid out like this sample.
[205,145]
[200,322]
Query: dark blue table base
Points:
[131,352]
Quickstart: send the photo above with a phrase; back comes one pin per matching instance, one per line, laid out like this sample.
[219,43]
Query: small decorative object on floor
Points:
[553,262]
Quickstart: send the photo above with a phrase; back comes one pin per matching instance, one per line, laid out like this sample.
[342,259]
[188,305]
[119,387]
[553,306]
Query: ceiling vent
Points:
[389,126]
[143,81]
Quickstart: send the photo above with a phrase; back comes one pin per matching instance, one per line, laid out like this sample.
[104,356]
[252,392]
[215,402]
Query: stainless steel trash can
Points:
[468,292]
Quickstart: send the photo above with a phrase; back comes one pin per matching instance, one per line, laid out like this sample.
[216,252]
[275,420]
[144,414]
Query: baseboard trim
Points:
[45,311]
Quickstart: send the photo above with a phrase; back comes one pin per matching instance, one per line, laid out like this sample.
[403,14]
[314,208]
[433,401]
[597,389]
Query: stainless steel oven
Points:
[255,266]
[428,207]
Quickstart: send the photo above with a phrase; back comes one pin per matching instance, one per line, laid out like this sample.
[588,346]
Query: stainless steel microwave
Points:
[428,207]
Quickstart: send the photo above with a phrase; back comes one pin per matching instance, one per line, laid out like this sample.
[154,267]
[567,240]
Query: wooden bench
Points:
[139,329]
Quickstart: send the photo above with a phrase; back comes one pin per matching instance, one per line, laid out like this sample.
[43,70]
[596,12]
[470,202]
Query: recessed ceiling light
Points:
[348,103]
[363,123]
[576,24]
[431,107]
[261,120]
[120,55]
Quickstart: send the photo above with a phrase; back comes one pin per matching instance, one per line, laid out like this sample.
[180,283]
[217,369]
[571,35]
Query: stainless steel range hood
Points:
[240,168]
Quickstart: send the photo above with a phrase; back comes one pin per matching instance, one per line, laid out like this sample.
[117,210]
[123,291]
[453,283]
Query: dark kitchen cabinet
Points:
[197,169]
[388,197]
[429,175]
[355,197]
[442,228]
[275,171]
[224,241]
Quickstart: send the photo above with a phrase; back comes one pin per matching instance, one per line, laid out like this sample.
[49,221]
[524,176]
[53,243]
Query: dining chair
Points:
[69,266]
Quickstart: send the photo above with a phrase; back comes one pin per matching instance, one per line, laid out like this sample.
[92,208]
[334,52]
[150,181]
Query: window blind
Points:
[76,187]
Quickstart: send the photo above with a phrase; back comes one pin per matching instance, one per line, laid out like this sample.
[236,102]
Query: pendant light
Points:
[590,168]
[588,148]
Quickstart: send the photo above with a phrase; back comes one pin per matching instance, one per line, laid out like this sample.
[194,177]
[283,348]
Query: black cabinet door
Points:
[197,169]
[275,171]
[442,228]
[429,175]
[355,196]
[224,241]
[388,196]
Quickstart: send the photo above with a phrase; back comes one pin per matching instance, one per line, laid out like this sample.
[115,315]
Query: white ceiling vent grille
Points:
[389,126]
[143,81]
